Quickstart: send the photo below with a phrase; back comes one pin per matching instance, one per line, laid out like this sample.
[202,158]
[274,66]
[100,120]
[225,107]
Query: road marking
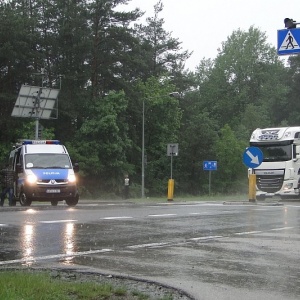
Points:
[283,228]
[163,215]
[57,221]
[247,232]
[147,245]
[116,218]
[38,258]
[210,237]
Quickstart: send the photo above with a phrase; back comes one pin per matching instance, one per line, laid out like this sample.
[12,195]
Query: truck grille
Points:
[269,183]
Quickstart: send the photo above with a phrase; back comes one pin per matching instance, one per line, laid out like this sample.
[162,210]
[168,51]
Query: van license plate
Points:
[53,191]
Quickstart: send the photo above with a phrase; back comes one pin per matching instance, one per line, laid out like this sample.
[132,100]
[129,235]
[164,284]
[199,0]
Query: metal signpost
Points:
[210,165]
[252,158]
[172,150]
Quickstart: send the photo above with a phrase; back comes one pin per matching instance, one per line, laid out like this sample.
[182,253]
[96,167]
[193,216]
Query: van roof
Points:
[45,149]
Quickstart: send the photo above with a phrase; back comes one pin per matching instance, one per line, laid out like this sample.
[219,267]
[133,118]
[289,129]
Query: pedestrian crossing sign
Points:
[288,41]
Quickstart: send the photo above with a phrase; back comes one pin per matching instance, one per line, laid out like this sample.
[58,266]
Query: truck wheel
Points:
[24,201]
[54,202]
[72,201]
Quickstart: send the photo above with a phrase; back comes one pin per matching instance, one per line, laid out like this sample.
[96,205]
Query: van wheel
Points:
[54,202]
[24,201]
[72,201]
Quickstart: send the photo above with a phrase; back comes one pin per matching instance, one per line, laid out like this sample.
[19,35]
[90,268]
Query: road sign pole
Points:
[209,182]
[171,165]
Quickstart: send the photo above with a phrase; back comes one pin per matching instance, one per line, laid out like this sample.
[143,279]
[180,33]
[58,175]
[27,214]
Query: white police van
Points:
[45,173]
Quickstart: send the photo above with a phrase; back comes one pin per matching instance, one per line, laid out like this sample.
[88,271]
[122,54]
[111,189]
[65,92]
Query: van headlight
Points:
[71,178]
[31,178]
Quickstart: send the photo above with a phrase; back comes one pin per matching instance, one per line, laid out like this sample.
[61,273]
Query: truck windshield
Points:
[281,151]
[47,161]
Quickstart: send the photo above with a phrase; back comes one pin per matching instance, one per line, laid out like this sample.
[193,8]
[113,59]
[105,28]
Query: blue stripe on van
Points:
[44,174]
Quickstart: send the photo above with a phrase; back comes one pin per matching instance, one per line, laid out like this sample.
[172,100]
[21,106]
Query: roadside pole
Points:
[172,150]
[252,187]
[210,165]
[252,158]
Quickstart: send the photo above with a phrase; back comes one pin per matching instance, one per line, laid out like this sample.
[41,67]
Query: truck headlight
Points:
[288,186]
[71,178]
[31,178]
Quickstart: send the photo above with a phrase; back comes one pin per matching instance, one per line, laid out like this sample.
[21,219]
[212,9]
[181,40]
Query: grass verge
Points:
[25,285]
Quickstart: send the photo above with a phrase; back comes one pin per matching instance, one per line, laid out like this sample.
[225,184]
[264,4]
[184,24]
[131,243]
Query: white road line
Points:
[38,258]
[147,245]
[248,232]
[210,237]
[283,228]
[57,221]
[116,218]
[163,215]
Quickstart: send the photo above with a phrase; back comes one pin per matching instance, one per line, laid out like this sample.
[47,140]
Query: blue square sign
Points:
[210,165]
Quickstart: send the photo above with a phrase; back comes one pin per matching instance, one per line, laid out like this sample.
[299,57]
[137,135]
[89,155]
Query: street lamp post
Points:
[173,94]
[143,152]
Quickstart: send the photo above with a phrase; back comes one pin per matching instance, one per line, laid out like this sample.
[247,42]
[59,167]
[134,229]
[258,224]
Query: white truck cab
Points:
[279,173]
[45,173]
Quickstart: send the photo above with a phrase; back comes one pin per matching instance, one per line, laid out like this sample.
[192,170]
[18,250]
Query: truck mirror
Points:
[19,168]
[297,152]
[76,168]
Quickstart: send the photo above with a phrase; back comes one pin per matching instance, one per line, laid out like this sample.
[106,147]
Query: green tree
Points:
[16,58]
[232,174]
[162,117]
[101,144]
[246,71]
[161,52]
[291,110]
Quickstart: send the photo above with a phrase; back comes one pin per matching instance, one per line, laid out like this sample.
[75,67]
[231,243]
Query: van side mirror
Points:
[76,168]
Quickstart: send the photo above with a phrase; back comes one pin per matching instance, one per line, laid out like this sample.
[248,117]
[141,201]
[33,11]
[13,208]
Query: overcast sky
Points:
[203,25]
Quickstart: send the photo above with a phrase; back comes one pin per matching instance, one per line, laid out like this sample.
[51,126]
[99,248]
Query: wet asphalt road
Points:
[210,250]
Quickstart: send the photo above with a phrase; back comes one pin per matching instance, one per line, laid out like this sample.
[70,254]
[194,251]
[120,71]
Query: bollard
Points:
[170,189]
[252,187]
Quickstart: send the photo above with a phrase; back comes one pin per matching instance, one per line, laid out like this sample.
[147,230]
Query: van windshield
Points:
[47,161]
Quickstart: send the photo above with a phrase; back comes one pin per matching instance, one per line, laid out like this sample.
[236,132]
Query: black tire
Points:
[54,202]
[24,201]
[72,201]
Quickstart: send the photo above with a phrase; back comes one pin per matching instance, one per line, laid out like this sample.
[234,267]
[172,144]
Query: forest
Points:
[114,72]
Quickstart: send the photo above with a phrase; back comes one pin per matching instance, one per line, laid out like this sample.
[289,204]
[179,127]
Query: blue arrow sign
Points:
[288,41]
[210,165]
[252,157]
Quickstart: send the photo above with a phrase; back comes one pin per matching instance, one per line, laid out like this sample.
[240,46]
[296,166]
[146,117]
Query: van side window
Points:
[19,157]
